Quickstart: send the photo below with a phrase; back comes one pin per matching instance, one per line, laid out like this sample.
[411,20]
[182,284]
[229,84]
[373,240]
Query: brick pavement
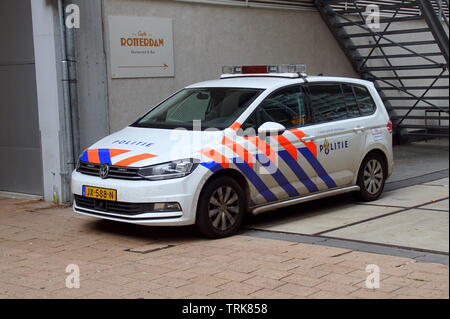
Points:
[38,241]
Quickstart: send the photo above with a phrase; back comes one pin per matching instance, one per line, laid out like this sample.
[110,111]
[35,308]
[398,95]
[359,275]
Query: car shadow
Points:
[188,233]
[142,232]
[282,215]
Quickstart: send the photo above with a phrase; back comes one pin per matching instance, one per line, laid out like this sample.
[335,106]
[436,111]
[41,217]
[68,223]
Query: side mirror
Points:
[271,128]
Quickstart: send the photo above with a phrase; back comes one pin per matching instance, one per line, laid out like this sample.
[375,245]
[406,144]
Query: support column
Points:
[46,48]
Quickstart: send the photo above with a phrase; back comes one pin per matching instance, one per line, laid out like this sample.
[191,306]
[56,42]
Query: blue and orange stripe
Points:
[321,172]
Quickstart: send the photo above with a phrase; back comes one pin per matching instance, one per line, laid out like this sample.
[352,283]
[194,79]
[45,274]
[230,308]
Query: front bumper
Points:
[184,191]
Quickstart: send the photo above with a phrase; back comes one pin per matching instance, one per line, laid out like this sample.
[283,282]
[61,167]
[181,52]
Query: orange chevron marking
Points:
[133,159]
[235,126]
[93,156]
[288,146]
[239,150]
[216,156]
[310,145]
[263,147]
[115,152]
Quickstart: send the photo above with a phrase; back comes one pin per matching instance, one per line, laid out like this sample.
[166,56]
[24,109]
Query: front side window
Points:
[327,103]
[214,107]
[286,106]
[250,125]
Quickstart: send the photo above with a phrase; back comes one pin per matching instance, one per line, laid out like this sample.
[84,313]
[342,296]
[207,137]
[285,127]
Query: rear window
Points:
[364,99]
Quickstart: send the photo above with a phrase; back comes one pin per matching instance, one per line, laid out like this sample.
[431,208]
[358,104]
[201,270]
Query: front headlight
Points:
[175,169]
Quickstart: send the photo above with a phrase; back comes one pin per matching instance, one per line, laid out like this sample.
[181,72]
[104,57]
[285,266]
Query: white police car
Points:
[259,138]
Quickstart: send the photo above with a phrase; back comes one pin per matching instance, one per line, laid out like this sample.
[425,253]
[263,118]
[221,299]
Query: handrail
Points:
[435,26]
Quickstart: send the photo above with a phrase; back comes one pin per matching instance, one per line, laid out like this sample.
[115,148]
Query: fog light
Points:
[166,207]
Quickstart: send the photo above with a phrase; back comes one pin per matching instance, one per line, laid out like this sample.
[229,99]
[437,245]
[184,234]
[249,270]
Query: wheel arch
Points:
[375,150]
[237,176]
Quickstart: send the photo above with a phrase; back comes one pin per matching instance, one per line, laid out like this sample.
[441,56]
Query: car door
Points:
[335,131]
[287,173]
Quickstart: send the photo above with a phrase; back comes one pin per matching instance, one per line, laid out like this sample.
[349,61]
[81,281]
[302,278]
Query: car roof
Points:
[268,82]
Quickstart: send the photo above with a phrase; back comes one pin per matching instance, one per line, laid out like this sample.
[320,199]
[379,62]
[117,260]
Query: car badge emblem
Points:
[104,171]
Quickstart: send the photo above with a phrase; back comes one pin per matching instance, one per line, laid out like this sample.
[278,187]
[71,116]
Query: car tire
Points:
[371,177]
[221,208]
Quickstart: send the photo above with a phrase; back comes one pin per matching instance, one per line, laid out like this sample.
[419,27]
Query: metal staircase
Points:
[406,55]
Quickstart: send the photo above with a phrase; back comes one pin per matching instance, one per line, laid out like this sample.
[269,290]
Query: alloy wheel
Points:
[223,208]
[373,176]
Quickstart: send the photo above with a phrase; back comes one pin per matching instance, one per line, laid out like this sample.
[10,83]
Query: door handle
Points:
[358,129]
[308,138]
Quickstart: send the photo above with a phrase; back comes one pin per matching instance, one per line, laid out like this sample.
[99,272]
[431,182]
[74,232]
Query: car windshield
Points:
[214,107]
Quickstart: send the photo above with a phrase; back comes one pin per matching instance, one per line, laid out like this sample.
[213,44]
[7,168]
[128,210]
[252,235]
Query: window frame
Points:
[352,85]
[308,108]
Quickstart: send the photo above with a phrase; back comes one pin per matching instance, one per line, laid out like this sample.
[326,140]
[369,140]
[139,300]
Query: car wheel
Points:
[371,178]
[221,208]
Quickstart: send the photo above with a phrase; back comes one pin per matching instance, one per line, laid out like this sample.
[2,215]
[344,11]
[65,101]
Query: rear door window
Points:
[350,101]
[327,103]
[364,99]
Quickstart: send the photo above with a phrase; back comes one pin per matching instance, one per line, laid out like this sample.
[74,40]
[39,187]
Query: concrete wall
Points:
[206,37]
[91,73]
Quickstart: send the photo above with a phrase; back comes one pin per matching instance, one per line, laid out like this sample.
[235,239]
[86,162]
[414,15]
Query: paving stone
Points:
[263,282]
[270,294]
[233,275]
[297,290]
[240,288]
[35,249]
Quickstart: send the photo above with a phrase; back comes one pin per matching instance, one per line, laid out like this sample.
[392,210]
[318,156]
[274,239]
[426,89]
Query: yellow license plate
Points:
[100,193]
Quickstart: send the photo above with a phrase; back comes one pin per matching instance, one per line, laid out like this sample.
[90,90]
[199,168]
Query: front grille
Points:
[121,208]
[114,171]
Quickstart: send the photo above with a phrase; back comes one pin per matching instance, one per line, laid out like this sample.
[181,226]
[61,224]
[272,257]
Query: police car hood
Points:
[139,147]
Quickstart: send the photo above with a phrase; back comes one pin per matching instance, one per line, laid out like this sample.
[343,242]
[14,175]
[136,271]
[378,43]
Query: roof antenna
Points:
[303,76]
[320,74]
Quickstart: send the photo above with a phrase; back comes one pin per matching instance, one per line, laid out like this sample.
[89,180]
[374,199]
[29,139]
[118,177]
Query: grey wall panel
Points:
[18,170]
[20,149]
[18,113]
[15,32]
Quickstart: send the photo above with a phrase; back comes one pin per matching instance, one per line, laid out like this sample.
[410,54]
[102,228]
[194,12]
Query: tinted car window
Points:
[364,99]
[214,107]
[286,107]
[250,125]
[350,101]
[327,103]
